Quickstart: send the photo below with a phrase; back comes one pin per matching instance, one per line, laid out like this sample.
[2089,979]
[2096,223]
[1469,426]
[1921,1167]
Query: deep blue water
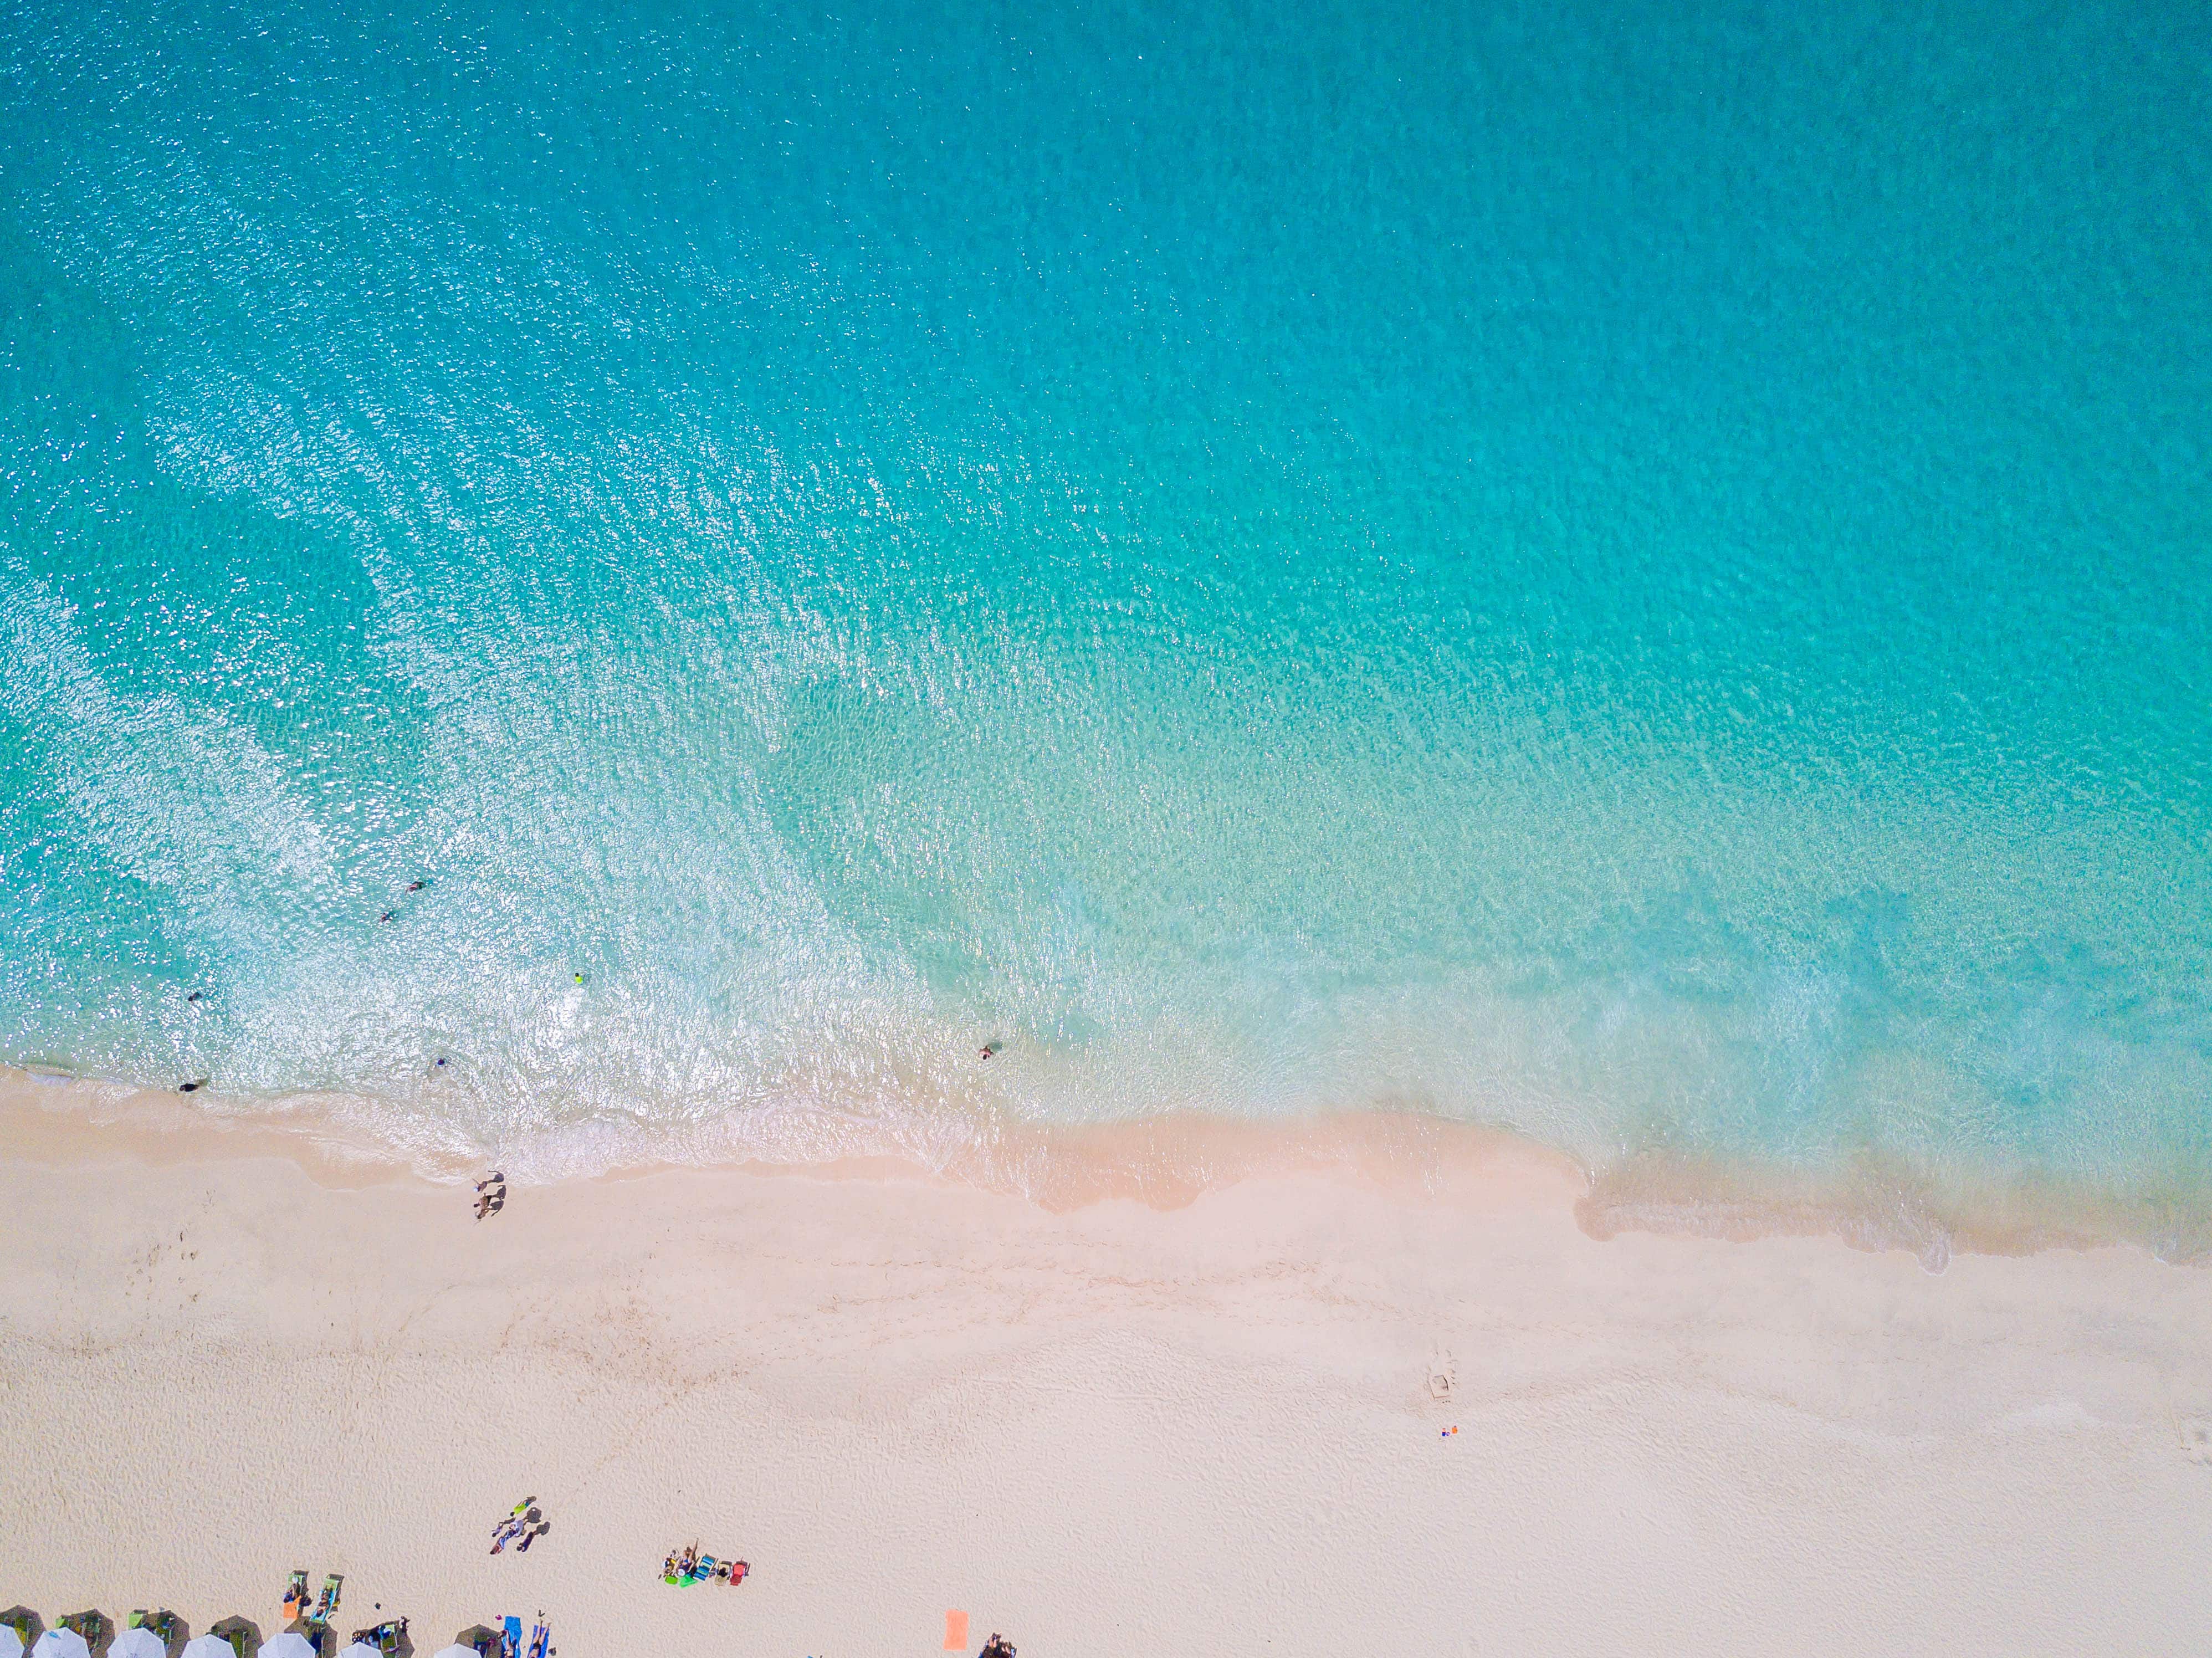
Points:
[1631,572]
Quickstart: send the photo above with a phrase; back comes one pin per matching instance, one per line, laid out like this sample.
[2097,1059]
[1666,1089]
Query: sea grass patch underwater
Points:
[1622,575]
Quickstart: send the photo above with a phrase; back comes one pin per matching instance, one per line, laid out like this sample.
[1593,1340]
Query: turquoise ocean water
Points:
[1635,574]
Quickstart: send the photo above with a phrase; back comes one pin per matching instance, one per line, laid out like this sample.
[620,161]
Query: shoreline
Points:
[1223,1426]
[1169,1162]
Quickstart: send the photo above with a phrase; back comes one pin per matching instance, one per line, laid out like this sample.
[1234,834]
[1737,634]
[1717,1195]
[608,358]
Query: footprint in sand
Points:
[2196,1440]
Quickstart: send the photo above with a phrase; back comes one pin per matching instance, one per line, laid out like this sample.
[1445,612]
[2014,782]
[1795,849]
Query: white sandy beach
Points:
[1113,1429]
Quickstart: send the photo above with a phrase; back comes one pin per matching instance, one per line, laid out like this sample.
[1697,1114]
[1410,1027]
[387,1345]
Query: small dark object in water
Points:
[194,997]
[416,886]
[386,916]
[192,1087]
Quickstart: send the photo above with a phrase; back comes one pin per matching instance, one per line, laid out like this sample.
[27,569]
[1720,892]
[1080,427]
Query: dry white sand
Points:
[1112,1430]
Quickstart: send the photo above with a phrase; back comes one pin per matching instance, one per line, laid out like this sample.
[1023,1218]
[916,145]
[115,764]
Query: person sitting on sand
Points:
[998,1647]
[492,1179]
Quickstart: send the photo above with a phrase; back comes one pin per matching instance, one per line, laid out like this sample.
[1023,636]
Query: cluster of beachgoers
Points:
[308,1633]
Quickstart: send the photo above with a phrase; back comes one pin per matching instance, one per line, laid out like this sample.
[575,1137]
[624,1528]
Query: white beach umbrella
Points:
[456,1652]
[11,1644]
[60,1644]
[290,1644]
[359,1649]
[136,1644]
[208,1646]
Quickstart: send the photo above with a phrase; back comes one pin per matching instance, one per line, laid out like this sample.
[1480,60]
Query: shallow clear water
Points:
[1630,576]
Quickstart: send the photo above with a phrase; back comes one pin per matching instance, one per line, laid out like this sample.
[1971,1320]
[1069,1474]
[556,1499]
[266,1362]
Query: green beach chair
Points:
[386,1637]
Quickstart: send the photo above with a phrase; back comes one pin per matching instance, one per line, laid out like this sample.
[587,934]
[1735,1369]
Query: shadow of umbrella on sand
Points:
[240,1635]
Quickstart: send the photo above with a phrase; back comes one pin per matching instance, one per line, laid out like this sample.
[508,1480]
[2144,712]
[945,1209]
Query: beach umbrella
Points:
[290,1644]
[61,1644]
[208,1646]
[360,1649]
[11,1644]
[137,1644]
[456,1652]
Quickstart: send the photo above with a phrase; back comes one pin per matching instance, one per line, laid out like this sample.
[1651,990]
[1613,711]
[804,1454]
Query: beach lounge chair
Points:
[327,1602]
[540,1637]
[512,1628]
[385,1638]
[166,1626]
